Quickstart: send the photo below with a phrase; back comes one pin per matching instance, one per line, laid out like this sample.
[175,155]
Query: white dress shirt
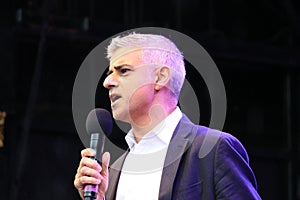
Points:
[141,173]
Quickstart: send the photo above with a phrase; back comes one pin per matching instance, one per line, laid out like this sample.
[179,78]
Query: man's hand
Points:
[90,172]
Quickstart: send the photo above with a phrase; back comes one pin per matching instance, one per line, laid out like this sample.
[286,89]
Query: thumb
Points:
[105,163]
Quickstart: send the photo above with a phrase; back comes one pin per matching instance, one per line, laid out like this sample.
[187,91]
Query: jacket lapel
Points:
[179,143]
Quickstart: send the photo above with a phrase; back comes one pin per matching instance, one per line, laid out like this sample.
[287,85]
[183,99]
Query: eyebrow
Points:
[117,68]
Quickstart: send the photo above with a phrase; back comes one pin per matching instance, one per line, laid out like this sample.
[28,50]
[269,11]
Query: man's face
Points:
[131,86]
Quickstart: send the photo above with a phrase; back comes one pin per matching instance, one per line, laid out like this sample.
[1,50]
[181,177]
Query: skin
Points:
[139,95]
[90,172]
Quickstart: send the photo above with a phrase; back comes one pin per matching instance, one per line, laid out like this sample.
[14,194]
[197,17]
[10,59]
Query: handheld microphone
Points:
[98,123]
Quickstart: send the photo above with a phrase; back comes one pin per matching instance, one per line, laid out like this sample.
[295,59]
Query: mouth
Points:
[114,98]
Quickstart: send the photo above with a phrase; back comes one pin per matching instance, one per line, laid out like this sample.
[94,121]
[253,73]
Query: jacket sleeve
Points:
[234,179]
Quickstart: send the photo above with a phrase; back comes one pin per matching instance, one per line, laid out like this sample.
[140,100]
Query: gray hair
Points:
[156,49]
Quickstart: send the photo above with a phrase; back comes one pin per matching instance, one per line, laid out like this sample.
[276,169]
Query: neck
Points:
[146,123]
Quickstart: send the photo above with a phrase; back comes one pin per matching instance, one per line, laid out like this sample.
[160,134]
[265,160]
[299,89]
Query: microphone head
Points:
[99,120]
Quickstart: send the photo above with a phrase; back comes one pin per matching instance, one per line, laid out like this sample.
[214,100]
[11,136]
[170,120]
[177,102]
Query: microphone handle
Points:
[90,191]
[89,198]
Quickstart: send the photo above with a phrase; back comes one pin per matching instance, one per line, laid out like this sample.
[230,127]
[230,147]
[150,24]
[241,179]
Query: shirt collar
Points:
[162,132]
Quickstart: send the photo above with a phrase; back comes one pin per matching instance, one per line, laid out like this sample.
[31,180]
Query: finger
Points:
[92,177]
[88,152]
[84,180]
[86,171]
[105,163]
[89,163]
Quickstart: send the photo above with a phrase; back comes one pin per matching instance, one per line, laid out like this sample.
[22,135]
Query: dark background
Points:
[255,44]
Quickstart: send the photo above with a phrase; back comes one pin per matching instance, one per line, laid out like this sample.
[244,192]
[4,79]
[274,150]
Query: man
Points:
[169,157]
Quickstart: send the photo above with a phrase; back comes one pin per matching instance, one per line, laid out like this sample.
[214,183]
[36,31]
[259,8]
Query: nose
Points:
[110,81]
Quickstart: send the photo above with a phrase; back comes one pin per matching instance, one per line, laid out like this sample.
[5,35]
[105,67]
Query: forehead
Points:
[130,56]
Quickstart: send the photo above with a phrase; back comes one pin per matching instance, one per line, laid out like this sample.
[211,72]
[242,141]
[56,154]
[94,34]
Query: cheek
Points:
[142,96]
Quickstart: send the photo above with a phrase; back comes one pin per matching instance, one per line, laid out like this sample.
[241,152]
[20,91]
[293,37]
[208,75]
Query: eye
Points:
[124,70]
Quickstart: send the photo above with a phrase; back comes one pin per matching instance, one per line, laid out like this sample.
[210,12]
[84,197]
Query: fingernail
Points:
[92,151]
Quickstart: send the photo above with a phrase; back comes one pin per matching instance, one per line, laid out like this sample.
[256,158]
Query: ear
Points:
[163,76]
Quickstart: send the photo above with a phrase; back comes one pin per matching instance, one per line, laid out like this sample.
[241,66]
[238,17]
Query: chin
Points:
[120,116]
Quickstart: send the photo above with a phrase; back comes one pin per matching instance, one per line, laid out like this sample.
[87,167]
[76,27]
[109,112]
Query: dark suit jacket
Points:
[201,163]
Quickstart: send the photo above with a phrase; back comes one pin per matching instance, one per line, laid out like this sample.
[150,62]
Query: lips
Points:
[114,97]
